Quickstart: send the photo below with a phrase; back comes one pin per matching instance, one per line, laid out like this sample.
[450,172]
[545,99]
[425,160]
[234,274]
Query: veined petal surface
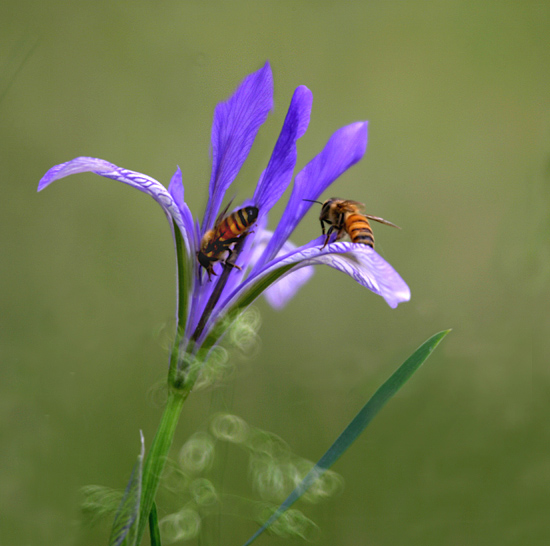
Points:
[236,123]
[365,266]
[278,174]
[140,181]
[360,262]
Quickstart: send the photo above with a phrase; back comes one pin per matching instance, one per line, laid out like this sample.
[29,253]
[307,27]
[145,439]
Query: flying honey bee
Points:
[217,243]
[347,217]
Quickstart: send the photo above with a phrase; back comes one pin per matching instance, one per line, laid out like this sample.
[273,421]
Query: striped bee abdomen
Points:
[237,223]
[218,243]
[358,229]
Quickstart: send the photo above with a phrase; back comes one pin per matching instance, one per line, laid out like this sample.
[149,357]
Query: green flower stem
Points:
[185,272]
[156,458]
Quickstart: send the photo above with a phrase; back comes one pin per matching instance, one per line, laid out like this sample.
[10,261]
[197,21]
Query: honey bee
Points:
[220,240]
[346,217]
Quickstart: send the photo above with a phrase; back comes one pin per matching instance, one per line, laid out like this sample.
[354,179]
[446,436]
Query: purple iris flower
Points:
[268,262]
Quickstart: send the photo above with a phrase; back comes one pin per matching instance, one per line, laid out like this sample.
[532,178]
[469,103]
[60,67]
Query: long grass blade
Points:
[357,425]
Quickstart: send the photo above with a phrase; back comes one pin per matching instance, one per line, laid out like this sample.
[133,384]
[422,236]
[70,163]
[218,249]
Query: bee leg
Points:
[231,264]
[329,233]
[210,271]
[323,230]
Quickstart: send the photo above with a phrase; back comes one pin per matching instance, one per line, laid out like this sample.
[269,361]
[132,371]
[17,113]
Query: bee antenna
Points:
[312,201]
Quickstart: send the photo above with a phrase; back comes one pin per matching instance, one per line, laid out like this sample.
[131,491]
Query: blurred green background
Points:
[457,95]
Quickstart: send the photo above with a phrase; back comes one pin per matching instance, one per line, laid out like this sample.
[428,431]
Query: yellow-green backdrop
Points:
[457,95]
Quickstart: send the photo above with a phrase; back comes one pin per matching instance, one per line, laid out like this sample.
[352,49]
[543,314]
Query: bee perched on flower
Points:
[242,258]
[228,231]
[265,261]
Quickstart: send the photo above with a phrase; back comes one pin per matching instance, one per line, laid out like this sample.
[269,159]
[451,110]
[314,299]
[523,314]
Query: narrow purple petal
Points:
[141,182]
[176,190]
[236,123]
[360,262]
[344,148]
[278,173]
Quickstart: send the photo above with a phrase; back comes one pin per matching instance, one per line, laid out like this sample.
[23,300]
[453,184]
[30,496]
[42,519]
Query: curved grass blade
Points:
[124,532]
[357,425]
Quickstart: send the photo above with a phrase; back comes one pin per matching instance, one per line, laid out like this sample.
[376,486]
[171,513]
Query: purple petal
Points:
[369,269]
[278,173]
[176,190]
[236,123]
[280,293]
[360,262]
[244,261]
[141,182]
[345,148]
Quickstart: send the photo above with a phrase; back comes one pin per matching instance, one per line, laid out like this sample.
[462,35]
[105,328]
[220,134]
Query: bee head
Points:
[203,260]
[251,213]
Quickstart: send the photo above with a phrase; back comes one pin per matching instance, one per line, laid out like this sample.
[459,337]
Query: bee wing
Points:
[381,220]
[222,214]
[352,206]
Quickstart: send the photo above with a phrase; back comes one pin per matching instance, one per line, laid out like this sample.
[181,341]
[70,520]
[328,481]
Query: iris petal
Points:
[278,173]
[140,181]
[280,293]
[236,123]
[360,262]
[176,190]
[344,148]
[368,268]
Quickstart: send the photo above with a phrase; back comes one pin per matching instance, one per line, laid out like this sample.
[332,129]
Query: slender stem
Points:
[184,281]
[156,458]
[184,277]
[217,292]
[180,382]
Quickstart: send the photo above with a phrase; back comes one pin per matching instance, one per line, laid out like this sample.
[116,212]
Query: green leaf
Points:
[154,531]
[357,425]
[124,532]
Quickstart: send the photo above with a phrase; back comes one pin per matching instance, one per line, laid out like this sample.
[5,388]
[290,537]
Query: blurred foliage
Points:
[459,147]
